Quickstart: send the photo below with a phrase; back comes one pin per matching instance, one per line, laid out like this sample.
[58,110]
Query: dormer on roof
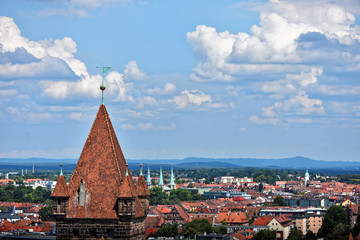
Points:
[125,190]
[61,188]
[60,196]
[141,187]
[143,192]
[128,203]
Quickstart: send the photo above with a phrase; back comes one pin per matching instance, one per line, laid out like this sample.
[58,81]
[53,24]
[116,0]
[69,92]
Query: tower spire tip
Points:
[103,70]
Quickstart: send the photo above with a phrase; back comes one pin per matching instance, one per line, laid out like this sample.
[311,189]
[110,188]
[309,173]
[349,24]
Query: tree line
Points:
[22,193]
[269,176]
[189,230]
[159,197]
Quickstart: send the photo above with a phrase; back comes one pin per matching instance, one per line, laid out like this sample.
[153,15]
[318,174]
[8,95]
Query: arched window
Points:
[82,191]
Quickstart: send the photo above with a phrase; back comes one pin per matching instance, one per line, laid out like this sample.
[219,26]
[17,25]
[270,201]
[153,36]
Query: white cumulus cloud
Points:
[55,58]
[288,33]
[133,72]
[191,98]
[167,89]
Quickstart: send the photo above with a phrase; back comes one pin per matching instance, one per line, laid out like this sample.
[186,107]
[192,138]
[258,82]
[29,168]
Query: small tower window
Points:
[82,191]
[58,206]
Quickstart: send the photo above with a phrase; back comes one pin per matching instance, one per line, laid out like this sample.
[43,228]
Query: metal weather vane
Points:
[103,70]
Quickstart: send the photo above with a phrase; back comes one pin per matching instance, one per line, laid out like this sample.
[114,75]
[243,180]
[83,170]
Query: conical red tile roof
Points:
[125,190]
[138,209]
[102,167]
[351,237]
[61,189]
[141,187]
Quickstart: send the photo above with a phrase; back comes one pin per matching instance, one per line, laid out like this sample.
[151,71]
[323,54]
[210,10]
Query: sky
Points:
[204,78]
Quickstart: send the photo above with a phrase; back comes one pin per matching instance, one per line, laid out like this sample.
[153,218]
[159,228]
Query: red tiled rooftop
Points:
[262,221]
[141,187]
[61,189]
[101,167]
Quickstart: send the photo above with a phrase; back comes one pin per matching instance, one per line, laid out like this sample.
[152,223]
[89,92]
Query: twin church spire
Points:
[161,184]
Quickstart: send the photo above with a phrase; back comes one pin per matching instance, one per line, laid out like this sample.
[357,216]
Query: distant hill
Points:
[298,162]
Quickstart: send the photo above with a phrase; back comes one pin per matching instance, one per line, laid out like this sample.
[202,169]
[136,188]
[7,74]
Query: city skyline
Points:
[237,79]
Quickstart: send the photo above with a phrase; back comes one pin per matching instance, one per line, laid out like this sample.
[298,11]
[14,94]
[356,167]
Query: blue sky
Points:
[265,79]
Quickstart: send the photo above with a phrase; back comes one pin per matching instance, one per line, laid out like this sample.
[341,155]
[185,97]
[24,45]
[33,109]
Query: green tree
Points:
[158,196]
[261,187]
[11,193]
[168,231]
[356,230]
[279,201]
[333,216]
[265,234]
[220,229]
[295,234]
[197,227]
[179,194]
[310,236]
[45,214]
[340,232]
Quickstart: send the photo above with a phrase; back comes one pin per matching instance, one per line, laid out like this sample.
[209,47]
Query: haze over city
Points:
[263,79]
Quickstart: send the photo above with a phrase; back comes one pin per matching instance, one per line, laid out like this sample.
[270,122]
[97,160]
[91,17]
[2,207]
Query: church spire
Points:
[161,181]
[172,182]
[61,172]
[141,169]
[148,178]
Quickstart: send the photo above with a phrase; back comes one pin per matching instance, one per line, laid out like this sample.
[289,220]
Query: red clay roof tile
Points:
[141,187]
[61,189]
[101,167]
[125,189]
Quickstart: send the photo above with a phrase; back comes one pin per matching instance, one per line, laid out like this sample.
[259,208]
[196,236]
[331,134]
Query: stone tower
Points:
[101,201]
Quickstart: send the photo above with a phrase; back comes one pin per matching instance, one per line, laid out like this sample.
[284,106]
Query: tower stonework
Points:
[101,200]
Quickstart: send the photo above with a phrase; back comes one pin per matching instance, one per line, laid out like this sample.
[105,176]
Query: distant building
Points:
[307,201]
[211,236]
[34,183]
[10,216]
[304,219]
[231,179]
[225,194]
[281,225]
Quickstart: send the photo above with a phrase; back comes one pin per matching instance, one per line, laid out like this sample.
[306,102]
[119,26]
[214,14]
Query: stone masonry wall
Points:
[129,229]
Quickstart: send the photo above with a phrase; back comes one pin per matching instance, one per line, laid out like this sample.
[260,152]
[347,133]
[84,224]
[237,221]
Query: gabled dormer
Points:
[128,203]
[60,196]
[143,192]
